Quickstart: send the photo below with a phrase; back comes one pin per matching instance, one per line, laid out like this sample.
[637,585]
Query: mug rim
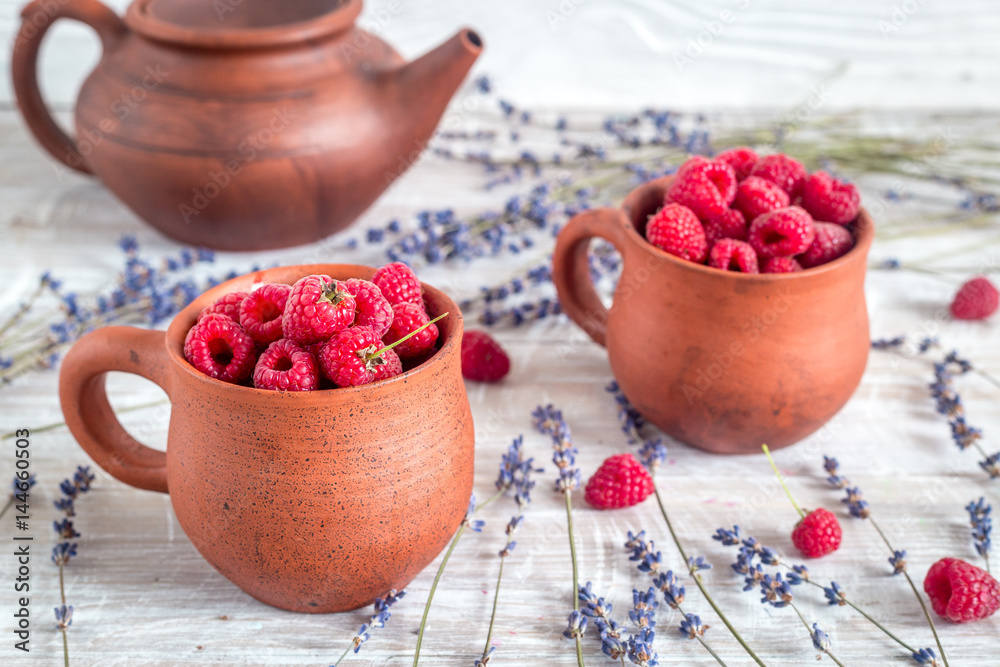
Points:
[182,322]
[864,234]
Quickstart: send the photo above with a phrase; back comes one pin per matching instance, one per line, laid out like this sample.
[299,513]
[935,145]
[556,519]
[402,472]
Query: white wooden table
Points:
[143,595]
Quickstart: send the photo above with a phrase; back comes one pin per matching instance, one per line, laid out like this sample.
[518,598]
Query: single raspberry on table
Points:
[676,229]
[830,200]
[729,225]
[621,481]
[228,305]
[286,366]
[407,318]
[977,299]
[318,307]
[220,348]
[787,173]
[391,367]
[399,284]
[373,309]
[817,534]
[960,591]
[348,359]
[704,186]
[483,360]
[831,241]
[262,310]
[733,255]
[780,265]
[785,232]
[741,159]
[756,196]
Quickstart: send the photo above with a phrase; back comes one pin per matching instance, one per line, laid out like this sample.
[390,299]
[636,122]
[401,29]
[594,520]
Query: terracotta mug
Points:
[722,361]
[309,501]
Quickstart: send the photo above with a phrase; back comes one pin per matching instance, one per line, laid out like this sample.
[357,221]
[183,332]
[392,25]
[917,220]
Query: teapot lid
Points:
[240,23]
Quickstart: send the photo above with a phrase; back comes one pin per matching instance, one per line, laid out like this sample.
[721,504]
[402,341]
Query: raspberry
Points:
[228,305]
[621,481]
[961,592]
[391,368]
[399,284]
[818,534]
[785,232]
[785,172]
[977,299]
[757,196]
[729,225]
[780,265]
[733,255]
[261,312]
[705,187]
[408,317]
[741,159]
[317,307]
[347,359]
[218,347]
[286,366]
[373,310]
[832,241]
[483,360]
[675,229]
[830,200]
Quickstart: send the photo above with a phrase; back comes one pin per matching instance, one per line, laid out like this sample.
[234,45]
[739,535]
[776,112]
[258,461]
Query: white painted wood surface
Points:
[142,594]
[616,54]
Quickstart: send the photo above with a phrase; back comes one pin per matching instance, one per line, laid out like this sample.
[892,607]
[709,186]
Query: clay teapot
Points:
[242,124]
[315,501]
[722,361]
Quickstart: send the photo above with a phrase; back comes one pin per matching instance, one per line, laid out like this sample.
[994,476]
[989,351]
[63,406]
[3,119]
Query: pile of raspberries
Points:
[749,214]
[317,333]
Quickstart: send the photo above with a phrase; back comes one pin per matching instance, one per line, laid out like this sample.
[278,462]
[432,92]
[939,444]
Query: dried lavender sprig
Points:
[750,548]
[614,642]
[515,472]
[18,487]
[982,527]
[649,560]
[377,620]
[549,421]
[859,509]
[777,592]
[652,453]
[64,551]
[510,462]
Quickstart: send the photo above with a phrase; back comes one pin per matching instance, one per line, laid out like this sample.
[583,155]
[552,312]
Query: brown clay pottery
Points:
[242,124]
[310,501]
[719,360]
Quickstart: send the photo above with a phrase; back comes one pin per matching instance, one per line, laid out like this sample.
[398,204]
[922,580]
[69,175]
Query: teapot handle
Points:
[571,268]
[36,19]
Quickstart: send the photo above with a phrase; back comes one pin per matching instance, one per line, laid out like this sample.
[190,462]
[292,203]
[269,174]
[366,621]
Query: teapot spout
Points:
[426,85]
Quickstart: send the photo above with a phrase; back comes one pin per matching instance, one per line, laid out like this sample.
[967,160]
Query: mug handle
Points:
[36,19]
[571,268]
[89,415]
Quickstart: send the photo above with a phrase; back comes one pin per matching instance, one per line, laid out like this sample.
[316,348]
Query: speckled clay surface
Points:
[312,501]
[719,360]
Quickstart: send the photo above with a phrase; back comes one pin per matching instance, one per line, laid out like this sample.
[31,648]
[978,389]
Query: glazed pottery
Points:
[719,360]
[310,501]
[242,124]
